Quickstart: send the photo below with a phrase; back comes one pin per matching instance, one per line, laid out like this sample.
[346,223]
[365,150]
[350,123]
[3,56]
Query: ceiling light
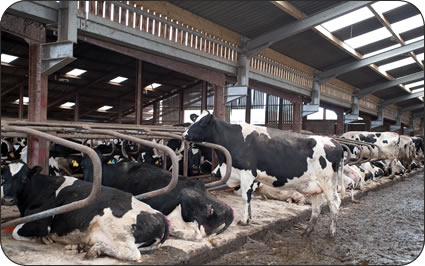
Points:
[152,86]
[6,58]
[26,101]
[118,79]
[104,108]
[67,105]
[76,72]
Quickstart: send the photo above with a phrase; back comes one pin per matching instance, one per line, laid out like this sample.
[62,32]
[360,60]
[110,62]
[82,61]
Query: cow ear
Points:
[34,171]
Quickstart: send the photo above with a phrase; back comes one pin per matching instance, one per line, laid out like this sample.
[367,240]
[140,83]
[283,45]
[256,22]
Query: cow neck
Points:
[227,135]
[36,188]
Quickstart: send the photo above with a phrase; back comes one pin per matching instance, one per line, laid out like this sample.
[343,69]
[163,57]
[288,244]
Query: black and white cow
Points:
[419,145]
[305,164]
[192,211]
[116,224]
[387,144]
[407,152]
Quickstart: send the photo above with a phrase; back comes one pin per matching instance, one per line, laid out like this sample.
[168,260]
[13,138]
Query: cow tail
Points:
[340,175]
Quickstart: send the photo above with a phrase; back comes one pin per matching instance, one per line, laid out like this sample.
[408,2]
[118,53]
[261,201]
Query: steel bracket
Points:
[56,55]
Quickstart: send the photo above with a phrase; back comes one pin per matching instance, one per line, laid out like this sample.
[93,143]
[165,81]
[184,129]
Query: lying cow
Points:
[306,164]
[116,224]
[192,211]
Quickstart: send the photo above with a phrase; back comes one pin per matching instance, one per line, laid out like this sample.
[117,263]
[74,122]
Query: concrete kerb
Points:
[207,254]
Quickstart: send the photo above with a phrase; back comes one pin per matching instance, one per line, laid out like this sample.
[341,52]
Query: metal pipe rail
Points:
[359,145]
[226,153]
[97,177]
[174,172]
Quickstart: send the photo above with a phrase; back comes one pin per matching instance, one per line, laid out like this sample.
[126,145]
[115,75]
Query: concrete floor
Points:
[267,214]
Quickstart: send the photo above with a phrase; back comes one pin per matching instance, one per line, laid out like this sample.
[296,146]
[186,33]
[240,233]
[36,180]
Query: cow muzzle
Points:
[8,201]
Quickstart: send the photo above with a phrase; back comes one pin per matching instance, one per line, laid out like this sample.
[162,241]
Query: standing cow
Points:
[116,224]
[306,164]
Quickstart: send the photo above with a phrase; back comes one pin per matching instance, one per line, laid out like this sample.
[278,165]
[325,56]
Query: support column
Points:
[21,102]
[120,109]
[139,93]
[155,113]
[181,107]
[248,107]
[280,125]
[38,148]
[266,118]
[339,123]
[219,106]
[296,121]
[204,96]
[77,107]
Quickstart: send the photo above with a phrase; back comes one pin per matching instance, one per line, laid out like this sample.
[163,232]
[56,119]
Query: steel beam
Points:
[267,39]
[56,55]
[67,21]
[370,60]
[413,107]
[40,11]
[402,98]
[380,121]
[397,125]
[204,97]
[248,106]
[297,119]
[389,84]
[32,32]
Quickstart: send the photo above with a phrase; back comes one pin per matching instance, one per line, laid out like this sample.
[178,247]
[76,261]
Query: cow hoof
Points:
[242,223]
[47,240]
[93,252]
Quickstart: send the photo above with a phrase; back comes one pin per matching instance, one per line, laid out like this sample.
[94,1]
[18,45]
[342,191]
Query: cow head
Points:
[199,205]
[14,178]
[202,129]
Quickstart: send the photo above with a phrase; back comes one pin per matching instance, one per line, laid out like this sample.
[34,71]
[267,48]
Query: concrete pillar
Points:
[21,102]
[38,148]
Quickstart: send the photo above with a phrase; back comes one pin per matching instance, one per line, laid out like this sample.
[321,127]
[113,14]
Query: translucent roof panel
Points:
[348,19]
[400,63]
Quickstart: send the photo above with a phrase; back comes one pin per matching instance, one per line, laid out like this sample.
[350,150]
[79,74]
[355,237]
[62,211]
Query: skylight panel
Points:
[418,90]
[369,37]
[76,72]
[414,39]
[6,58]
[397,64]
[385,6]
[152,86]
[407,24]
[67,105]
[382,50]
[414,84]
[118,79]
[26,101]
[104,108]
[348,19]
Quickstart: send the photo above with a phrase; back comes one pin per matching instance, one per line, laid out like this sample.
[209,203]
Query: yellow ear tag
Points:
[110,162]
[74,163]
[132,158]
[12,154]
[156,162]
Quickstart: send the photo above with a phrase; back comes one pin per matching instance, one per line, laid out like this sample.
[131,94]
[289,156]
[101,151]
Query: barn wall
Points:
[325,127]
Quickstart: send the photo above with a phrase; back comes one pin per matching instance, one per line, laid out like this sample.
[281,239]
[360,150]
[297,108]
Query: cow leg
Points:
[334,202]
[316,203]
[248,186]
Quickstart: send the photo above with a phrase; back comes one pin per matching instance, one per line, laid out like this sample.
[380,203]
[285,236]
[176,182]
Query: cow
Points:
[407,152]
[193,212]
[266,158]
[387,144]
[374,170]
[116,224]
[419,145]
